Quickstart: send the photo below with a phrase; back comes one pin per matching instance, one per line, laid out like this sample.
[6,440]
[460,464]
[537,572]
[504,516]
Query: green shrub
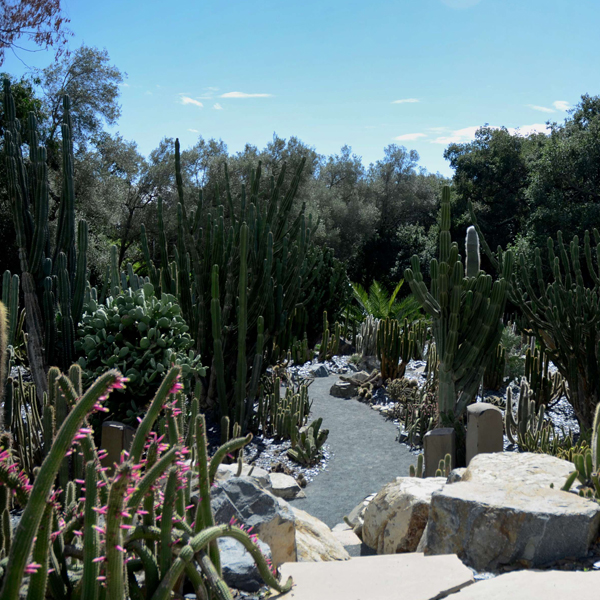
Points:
[142,336]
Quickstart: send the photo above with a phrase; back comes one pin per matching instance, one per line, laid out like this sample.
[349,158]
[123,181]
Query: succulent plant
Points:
[140,334]
[306,448]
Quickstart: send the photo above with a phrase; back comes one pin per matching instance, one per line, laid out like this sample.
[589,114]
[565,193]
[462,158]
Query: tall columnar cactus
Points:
[366,339]
[563,312]
[278,267]
[53,276]
[466,312]
[137,534]
[396,345]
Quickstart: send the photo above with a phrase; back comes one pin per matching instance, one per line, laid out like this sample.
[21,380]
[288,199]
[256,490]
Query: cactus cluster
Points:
[366,338]
[53,275]
[280,415]
[245,264]
[417,470]
[466,309]
[563,313]
[306,448]
[140,334]
[587,464]
[527,426]
[141,533]
[397,345]
[545,387]
[330,342]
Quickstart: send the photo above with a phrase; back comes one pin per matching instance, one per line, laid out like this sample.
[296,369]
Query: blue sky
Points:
[420,73]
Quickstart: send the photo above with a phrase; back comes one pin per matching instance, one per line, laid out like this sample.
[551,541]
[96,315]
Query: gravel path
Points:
[366,455]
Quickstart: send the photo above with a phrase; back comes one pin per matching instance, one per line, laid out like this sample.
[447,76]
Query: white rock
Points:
[284,486]
[396,518]
[315,542]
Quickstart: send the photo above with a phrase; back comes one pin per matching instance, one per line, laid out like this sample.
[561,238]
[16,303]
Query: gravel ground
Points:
[366,455]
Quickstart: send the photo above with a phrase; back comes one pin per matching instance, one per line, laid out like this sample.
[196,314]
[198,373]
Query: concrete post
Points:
[116,437]
[485,429]
[436,445]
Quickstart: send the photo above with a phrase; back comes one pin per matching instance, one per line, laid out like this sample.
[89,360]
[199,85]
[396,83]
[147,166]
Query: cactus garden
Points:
[217,362]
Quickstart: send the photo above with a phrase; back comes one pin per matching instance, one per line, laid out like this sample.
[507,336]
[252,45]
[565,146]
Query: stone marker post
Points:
[436,444]
[485,429]
[116,437]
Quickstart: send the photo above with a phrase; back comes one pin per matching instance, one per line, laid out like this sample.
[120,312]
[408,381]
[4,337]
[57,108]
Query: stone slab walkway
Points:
[389,577]
[366,455]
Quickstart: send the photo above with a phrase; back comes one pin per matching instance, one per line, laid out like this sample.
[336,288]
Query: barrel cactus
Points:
[140,334]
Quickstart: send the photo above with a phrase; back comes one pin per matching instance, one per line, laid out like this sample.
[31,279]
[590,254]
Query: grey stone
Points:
[259,475]
[369,363]
[503,511]
[270,517]
[485,429]
[285,486]
[319,370]
[239,569]
[436,444]
[343,389]
[456,475]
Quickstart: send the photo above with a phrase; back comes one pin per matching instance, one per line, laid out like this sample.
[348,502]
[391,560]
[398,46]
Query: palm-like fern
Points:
[378,303]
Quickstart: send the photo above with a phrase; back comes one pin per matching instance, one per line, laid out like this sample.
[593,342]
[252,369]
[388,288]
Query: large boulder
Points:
[292,534]
[259,475]
[504,511]
[271,518]
[395,519]
[239,568]
[315,542]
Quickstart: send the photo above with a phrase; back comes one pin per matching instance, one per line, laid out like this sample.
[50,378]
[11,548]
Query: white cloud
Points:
[541,108]
[561,105]
[526,130]
[406,101]
[188,100]
[458,136]
[123,84]
[193,130]
[148,93]
[410,137]
[212,89]
[244,95]
[467,134]
[217,106]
